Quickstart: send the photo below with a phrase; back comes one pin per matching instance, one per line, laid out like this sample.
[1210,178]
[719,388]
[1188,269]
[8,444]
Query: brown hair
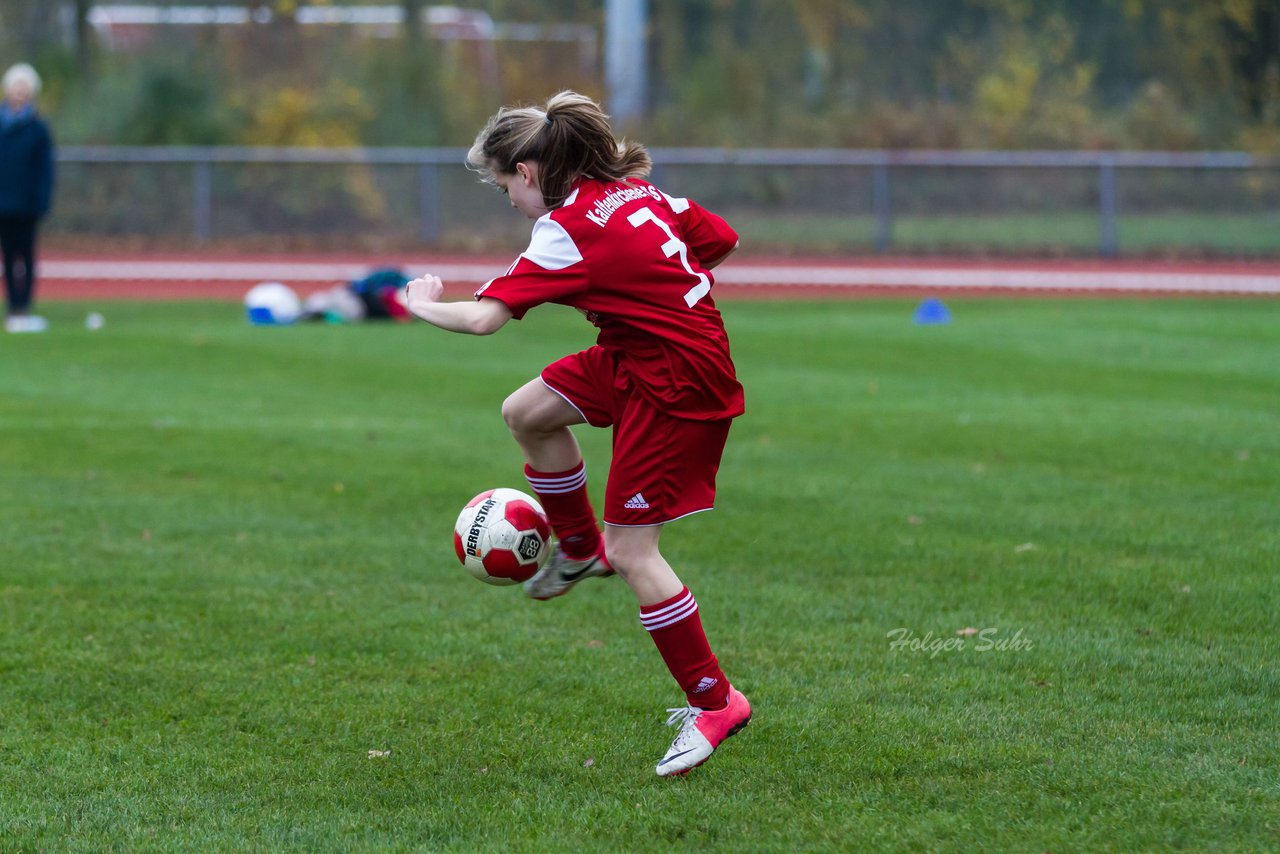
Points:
[567,138]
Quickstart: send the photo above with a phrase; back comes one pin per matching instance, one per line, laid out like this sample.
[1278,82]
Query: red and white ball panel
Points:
[502,536]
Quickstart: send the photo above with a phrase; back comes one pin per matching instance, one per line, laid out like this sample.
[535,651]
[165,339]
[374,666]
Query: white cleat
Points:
[26,323]
[562,572]
[701,732]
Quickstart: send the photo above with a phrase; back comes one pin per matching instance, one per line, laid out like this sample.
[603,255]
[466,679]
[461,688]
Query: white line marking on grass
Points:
[742,274]
[1003,279]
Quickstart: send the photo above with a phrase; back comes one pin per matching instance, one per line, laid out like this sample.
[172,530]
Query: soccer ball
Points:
[502,536]
[272,304]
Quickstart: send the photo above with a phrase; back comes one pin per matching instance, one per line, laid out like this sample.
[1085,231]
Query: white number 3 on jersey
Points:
[672,247]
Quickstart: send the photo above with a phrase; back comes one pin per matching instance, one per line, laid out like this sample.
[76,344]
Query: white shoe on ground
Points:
[701,732]
[26,323]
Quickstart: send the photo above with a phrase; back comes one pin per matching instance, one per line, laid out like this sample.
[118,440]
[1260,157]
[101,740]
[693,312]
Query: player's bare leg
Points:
[715,710]
[539,420]
[633,552]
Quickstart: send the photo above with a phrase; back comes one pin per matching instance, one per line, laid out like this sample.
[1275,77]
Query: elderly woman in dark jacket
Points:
[26,185]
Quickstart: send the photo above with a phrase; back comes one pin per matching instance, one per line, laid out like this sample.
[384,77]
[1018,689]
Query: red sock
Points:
[563,494]
[676,628]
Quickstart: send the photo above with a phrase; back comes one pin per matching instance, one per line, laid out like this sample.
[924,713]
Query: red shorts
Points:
[663,467]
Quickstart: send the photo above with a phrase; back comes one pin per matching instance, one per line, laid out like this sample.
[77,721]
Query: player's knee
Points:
[628,557]
[516,415]
[616,556]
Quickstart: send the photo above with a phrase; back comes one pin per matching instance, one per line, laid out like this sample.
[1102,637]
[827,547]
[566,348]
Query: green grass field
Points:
[227,577]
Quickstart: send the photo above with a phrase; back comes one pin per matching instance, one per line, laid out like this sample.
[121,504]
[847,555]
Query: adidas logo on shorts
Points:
[636,502]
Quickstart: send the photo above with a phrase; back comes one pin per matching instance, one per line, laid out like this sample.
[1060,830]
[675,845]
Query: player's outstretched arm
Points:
[710,264]
[482,317]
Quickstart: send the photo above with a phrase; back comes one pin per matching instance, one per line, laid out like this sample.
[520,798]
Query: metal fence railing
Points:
[1083,203]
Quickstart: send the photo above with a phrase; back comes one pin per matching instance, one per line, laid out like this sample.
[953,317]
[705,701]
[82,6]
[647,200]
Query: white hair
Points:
[22,73]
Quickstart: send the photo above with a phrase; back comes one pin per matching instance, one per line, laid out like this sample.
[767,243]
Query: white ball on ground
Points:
[272,304]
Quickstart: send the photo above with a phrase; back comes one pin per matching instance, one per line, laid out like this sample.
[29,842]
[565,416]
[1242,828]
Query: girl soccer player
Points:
[637,263]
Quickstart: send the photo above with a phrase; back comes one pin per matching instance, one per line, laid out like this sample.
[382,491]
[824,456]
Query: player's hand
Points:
[423,291]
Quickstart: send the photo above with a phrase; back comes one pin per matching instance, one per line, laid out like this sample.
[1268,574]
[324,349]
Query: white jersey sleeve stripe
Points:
[486,285]
[678,205]
[551,247]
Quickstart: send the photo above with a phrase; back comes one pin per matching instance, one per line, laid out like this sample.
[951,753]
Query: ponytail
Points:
[569,138]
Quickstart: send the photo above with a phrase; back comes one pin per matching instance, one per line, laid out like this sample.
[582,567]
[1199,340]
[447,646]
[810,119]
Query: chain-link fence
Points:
[801,201]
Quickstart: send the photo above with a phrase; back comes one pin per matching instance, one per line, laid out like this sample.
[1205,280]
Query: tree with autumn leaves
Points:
[1156,74]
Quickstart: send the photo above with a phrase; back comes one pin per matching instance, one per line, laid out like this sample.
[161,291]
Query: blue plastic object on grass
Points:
[932,311]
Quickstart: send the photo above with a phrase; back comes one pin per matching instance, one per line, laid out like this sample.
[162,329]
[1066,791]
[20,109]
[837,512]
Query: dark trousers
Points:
[18,241]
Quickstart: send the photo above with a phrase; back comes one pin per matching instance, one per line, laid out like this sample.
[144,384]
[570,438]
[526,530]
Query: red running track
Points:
[80,276]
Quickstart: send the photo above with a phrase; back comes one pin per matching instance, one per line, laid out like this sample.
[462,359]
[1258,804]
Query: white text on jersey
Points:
[607,204]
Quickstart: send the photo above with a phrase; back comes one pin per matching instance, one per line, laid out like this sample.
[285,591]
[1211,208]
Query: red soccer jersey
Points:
[631,256]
